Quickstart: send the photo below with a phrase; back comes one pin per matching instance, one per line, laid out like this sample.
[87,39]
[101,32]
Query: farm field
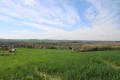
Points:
[53,64]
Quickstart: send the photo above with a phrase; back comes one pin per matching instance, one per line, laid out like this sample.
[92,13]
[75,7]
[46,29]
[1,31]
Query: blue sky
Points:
[60,19]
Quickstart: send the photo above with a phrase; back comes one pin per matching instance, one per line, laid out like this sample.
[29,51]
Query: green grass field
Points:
[47,64]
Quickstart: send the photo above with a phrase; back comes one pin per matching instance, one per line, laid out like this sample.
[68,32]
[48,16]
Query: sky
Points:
[60,19]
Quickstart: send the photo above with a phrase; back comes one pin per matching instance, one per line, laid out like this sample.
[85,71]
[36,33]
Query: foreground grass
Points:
[47,64]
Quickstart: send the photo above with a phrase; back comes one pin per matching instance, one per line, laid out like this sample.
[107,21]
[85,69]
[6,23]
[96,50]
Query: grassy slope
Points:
[38,64]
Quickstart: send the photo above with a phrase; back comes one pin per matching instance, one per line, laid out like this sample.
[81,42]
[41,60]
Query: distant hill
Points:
[49,40]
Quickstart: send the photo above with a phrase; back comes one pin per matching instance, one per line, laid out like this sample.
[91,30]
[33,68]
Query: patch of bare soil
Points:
[114,66]
[46,76]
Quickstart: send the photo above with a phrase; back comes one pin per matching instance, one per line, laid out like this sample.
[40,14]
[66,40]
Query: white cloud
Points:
[50,14]
[43,27]
[103,25]
[91,13]
[29,2]
[52,19]
[24,32]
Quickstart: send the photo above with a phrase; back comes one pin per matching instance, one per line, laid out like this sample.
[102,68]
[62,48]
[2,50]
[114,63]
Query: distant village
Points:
[71,45]
[8,48]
